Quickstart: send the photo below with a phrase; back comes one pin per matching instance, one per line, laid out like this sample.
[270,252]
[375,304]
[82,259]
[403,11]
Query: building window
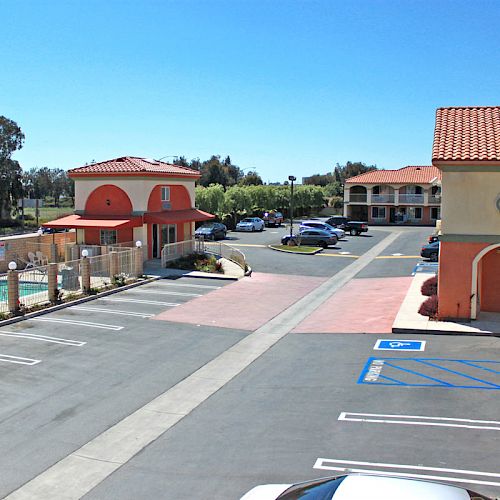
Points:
[108,237]
[165,193]
[378,212]
[415,212]
[435,213]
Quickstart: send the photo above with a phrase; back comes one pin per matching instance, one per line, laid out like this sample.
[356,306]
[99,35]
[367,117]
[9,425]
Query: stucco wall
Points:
[468,203]
[490,281]
[138,189]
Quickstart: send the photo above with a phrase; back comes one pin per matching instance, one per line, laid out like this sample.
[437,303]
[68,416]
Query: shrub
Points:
[430,286]
[429,307]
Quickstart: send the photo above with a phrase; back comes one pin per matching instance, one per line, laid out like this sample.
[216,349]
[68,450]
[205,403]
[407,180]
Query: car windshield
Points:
[207,226]
[246,220]
[320,489]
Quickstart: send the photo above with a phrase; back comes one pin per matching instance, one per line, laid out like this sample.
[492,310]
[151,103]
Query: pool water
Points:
[25,288]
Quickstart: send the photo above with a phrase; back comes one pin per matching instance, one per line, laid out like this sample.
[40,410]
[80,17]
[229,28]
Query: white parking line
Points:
[137,301]
[322,464]
[180,294]
[18,360]
[113,311]
[190,285]
[79,323]
[43,338]
[421,420]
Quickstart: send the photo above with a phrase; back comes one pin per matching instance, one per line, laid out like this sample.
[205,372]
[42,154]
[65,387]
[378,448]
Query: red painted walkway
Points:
[246,304]
[367,305]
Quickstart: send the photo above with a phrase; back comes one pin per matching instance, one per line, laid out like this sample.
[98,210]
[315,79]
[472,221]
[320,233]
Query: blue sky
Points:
[285,87]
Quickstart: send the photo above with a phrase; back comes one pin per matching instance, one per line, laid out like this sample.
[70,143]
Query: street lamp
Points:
[291,178]
[168,156]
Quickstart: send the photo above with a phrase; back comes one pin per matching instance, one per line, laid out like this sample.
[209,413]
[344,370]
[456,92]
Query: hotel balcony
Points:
[414,199]
[357,198]
[383,198]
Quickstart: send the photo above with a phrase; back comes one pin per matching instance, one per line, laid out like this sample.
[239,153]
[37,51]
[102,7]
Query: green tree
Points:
[351,169]
[210,199]
[251,179]
[11,139]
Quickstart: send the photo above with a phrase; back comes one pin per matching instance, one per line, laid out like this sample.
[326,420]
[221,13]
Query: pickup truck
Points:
[354,228]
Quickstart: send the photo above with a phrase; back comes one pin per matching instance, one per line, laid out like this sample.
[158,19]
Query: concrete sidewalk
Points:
[409,321]
[231,271]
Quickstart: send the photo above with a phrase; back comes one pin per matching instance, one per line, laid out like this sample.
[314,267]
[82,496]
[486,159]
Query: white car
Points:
[361,487]
[250,224]
[314,224]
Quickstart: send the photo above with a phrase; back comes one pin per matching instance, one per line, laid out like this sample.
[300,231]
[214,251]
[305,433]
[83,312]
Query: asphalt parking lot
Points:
[402,255]
[279,422]
[69,375]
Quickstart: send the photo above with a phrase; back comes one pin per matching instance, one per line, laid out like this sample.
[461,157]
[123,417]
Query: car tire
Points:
[433,257]
[353,232]
[253,229]
[323,244]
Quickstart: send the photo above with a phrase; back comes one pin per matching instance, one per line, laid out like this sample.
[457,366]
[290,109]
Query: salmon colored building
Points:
[133,199]
[467,151]
[410,195]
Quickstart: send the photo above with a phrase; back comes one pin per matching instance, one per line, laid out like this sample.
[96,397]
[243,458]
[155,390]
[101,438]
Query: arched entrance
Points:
[485,269]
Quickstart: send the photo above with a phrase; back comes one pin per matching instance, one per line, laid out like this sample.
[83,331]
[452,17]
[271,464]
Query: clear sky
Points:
[285,87]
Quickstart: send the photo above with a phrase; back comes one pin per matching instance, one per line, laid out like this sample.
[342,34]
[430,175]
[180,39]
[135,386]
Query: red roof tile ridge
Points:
[468,107]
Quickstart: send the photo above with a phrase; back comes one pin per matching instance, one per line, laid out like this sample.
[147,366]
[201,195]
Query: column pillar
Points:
[52,282]
[113,264]
[139,261]
[85,274]
[13,291]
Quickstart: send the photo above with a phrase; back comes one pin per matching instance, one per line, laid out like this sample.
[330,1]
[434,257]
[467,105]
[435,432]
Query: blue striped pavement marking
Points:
[432,372]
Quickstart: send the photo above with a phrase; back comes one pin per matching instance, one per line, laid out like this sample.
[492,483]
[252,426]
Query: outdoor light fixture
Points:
[12,265]
[40,231]
[138,243]
[85,253]
[291,178]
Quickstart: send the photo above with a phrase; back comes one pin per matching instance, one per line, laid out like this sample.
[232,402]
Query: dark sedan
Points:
[312,237]
[211,231]
[431,251]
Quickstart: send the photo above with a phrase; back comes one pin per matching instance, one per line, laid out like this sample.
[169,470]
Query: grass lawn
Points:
[297,249]
[49,213]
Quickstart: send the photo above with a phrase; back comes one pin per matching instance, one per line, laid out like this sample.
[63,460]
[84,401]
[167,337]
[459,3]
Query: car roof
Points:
[376,487]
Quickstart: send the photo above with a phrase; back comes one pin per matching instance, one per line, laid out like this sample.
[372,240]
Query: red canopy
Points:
[82,222]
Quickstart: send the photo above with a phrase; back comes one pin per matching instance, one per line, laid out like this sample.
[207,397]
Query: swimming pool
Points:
[25,288]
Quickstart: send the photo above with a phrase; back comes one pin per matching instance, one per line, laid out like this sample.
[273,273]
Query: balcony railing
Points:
[434,199]
[417,199]
[357,198]
[382,198]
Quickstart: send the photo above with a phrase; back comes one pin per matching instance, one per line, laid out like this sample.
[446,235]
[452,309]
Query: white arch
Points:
[473,288]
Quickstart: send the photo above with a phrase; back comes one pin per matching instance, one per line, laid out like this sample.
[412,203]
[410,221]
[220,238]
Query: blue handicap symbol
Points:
[400,345]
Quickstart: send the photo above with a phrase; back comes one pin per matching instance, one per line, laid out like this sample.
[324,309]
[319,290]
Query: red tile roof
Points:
[407,175]
[467,134]
[131,165]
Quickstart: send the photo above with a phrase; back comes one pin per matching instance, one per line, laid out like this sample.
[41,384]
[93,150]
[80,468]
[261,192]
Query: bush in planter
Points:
[430,286]
[429,307]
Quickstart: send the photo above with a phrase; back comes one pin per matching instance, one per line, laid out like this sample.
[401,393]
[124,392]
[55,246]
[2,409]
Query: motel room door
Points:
[163,234]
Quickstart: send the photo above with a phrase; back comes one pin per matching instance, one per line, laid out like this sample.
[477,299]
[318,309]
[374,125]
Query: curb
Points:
[415,331]
[81,300]
[295,253]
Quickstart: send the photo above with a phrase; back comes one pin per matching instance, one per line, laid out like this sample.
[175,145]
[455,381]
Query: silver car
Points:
[315,224]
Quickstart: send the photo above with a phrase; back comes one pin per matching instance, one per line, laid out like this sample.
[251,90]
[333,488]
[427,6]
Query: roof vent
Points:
[418,168]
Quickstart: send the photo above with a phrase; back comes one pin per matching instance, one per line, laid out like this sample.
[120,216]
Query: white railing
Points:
[411,198]
[174,251]
[382,198]
[434,199]
[357,198]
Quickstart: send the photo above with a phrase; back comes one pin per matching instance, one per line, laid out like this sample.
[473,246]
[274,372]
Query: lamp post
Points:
[291,178]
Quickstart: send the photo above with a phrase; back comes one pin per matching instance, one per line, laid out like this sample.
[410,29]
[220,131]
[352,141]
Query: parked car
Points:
[433,238]
[359,486]
[211,231]
[315,224]
[431,251]
[52,230]
[312,237]
[354,228]
[250,224]
[273,218]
